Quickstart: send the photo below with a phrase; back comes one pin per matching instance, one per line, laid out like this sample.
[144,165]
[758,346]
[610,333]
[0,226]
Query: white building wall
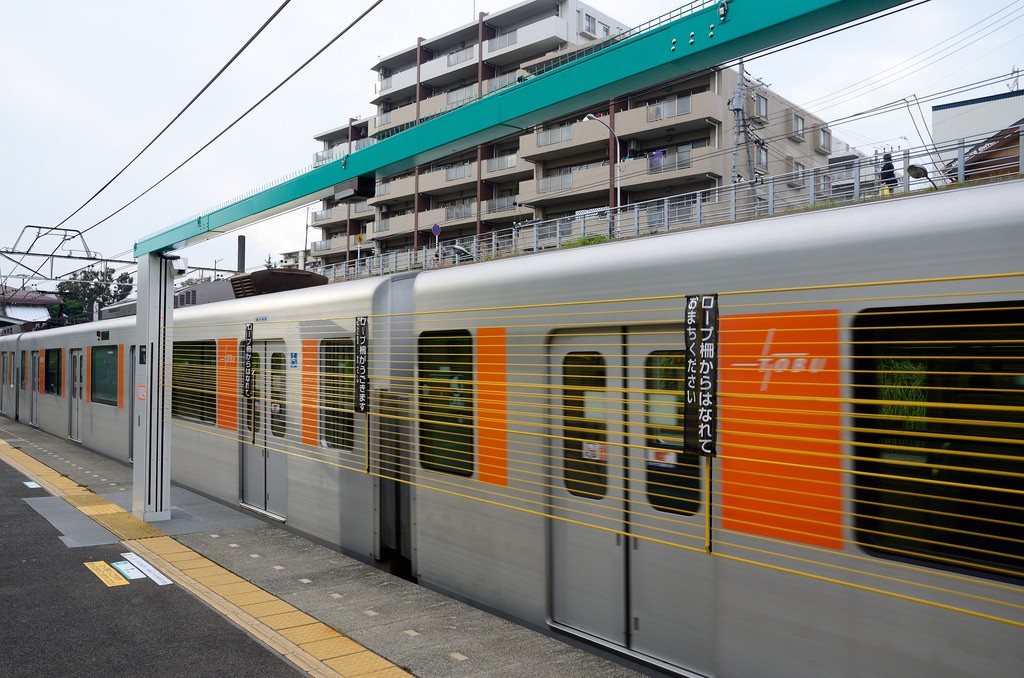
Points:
[975,119]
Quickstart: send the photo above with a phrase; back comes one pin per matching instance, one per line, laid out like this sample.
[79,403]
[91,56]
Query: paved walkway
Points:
[269,594]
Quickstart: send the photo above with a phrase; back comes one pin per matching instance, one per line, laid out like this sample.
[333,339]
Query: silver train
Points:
[845,499]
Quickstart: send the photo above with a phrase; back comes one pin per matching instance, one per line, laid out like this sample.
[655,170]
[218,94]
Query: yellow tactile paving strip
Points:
[311,645]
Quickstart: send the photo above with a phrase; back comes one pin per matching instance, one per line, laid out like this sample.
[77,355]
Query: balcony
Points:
[674,116]
[587,181]
[325,248]
[394,190]
[665,169]
[451,67]
[457,176]
[395,86]
[498,206]
[322,218]
[526,42]
[506,167]
[393,118]
[563,141]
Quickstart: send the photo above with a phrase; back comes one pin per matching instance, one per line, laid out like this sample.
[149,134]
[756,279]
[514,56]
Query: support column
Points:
[151,436]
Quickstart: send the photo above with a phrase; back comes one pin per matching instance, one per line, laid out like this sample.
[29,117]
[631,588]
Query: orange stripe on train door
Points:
[227,384]
[492,405]
[780,426]
[310,396]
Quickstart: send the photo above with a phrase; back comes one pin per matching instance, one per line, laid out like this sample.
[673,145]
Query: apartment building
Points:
[673,139]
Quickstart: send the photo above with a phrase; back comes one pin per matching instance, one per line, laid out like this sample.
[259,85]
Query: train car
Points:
[790,446]
[859,510]
[73,382]
[263,411]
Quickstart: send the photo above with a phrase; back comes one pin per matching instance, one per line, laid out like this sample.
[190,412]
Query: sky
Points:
[84,86]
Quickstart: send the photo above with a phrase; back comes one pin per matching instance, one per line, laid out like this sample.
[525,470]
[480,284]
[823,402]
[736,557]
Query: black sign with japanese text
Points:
[247,362]
[362,383]
[701,373]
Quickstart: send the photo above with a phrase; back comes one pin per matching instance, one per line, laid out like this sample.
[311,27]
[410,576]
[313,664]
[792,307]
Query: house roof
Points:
[13,295]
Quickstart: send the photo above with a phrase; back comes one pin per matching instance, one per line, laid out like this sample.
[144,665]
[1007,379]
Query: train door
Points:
[264,466]
[77,393]
[588,565]
[33,388]
[619,466]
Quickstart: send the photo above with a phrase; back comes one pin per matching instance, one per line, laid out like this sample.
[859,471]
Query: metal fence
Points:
[937,167]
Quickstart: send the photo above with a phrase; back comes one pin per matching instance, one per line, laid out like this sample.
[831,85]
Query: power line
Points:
[182,111]
[237,120]
[159,134]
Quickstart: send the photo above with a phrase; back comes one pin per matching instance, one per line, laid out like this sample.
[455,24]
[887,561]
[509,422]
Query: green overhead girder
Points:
[648,56]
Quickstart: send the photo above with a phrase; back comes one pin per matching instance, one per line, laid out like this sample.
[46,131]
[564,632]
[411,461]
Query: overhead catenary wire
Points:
[233,123]
[159,134]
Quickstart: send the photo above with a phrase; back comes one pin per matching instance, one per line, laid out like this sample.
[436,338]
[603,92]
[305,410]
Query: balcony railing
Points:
[466,211]
[461,95]
[457,172]
[501,162]
[669,162]
[494,84]
[555,135]
[501,42]
[668,109]
[559,182]
[502,204]
[320,215]
[461,56]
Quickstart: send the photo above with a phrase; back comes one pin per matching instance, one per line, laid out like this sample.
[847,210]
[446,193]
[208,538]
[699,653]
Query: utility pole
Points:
[738,99]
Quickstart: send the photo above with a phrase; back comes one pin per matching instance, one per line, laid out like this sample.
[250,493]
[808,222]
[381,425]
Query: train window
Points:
[24,369]
[103,375]
[194,380]
[278,411]
[337,391]
[584,425]
[940,447]
[54,360]
[673,478]
[446,401]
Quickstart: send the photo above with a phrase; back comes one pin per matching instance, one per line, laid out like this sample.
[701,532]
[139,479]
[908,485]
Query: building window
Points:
[194,381]
[799,174]
[798,127]
[54,364]
[761,106]
[589,24]
[445,387]
[825,140]
[103,375]
[762,157]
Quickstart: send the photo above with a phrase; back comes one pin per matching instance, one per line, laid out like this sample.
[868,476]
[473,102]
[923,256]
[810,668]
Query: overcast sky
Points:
[85,85]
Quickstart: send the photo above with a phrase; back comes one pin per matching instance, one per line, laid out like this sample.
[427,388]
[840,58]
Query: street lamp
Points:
[618,158]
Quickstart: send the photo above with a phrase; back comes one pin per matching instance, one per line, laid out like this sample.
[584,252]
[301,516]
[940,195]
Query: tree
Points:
[269,263]
[78,293]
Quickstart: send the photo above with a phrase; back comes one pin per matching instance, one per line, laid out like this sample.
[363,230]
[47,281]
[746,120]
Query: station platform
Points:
[88,589]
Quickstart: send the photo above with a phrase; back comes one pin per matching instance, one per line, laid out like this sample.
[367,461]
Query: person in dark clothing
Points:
[888,175]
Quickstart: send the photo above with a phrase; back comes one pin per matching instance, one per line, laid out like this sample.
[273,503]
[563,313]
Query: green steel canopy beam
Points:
[644,57]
